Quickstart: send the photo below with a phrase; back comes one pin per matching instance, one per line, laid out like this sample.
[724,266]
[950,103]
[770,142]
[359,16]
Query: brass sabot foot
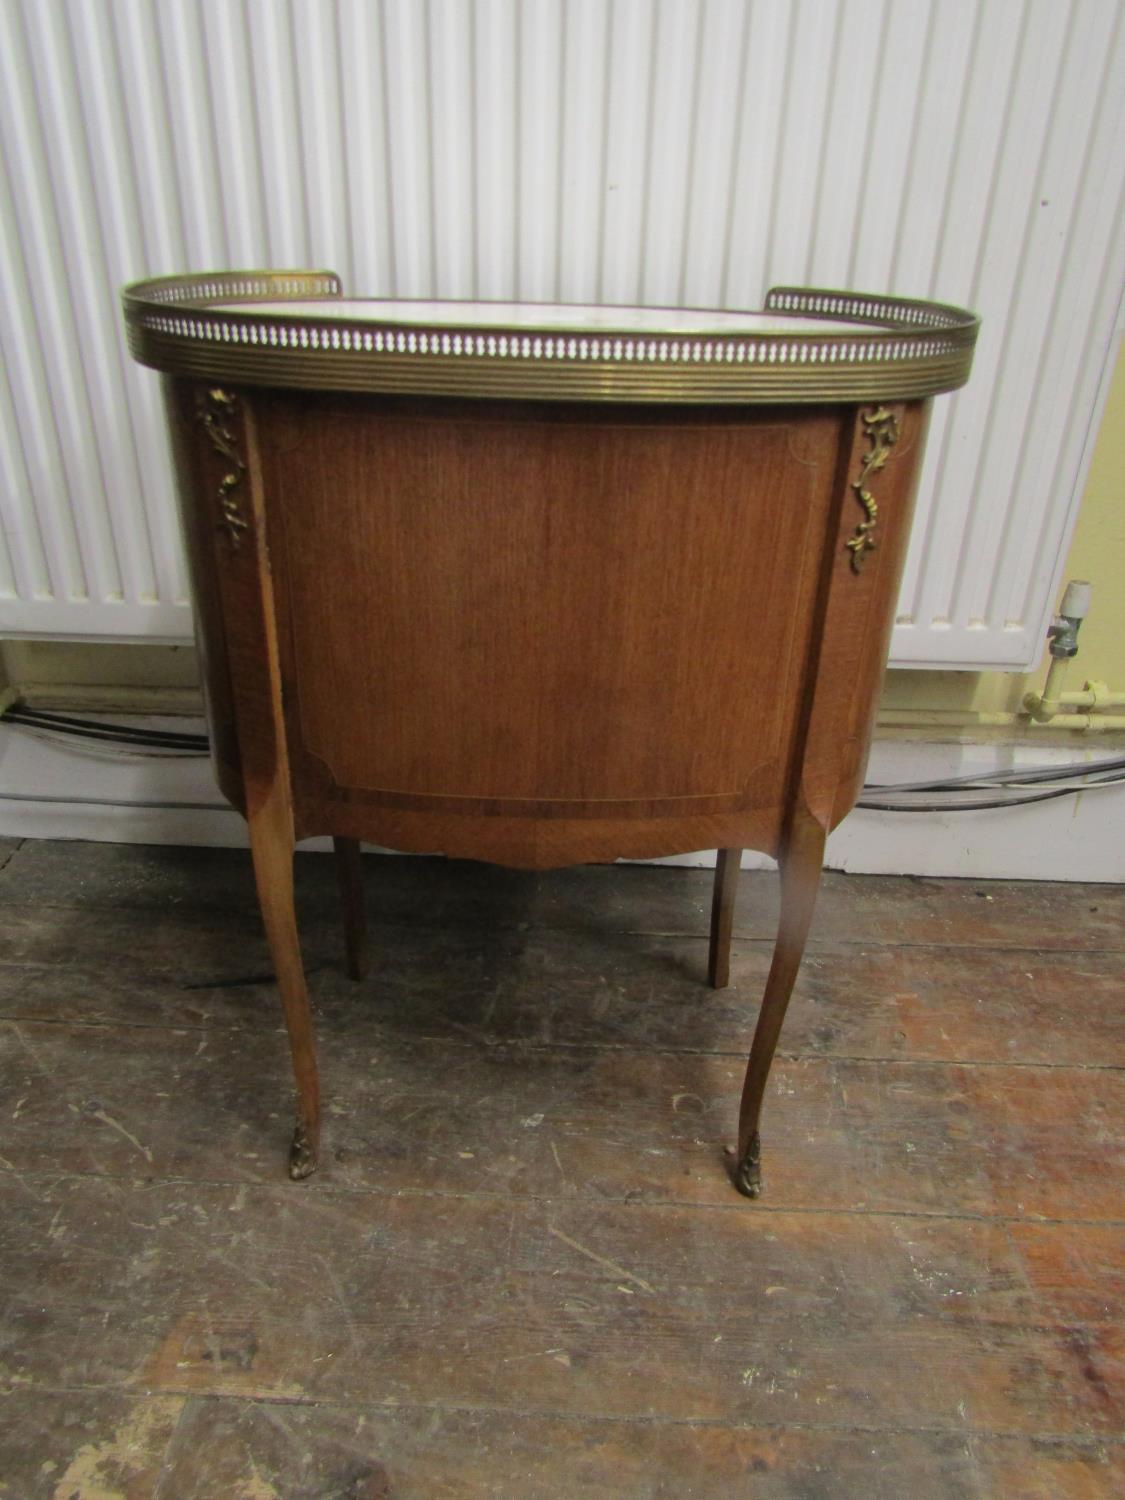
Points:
[303,1153]
[748,1173]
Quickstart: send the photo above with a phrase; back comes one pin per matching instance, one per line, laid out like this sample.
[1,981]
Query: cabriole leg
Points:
[273,871]
[722,916]
[350,875]
[800,860]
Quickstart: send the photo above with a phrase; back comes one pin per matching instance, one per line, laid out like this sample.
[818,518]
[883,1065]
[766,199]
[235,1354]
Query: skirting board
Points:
[53,788]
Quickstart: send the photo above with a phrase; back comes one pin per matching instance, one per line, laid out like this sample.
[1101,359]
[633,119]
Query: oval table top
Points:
[296,329]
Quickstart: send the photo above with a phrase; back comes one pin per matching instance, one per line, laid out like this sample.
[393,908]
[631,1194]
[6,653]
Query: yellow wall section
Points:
[915,703]
[1097,553]
[124,676]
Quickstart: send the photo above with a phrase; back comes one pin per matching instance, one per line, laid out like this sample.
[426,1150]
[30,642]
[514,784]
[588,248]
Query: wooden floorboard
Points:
[603,1125]
[522,1270]
[633,1311]
[95,1443]
[609,898]
[577,988]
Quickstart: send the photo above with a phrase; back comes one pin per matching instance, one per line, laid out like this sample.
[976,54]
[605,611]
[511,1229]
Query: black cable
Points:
[183,747]
[100,730]
[119,732]
[48,719]
[981,805]
[1095,775]
[222,807]
[1035,773]
[63,723]
[171,743]
[19,710]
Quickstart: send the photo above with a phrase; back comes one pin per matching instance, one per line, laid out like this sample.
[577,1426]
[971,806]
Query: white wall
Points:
[661,151]
[51,789]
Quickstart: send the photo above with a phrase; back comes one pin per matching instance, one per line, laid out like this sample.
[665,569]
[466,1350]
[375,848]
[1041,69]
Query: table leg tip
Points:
[303,1153]
[748,1173]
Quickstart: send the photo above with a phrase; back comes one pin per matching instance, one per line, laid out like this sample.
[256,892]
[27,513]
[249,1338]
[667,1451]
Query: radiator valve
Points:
[1064,628]
[1084,710]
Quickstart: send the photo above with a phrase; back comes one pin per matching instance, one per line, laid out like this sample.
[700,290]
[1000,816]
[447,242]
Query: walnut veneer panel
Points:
[542,612]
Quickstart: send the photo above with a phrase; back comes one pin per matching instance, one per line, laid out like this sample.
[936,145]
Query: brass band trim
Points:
[900,349]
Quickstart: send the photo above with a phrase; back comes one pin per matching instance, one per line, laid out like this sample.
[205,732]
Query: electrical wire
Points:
[37,797]
[167,744]
[22,710]
[49,720]
[114,743]
[1006,778]
[983,804]
[34,727]
[92,729]
[1068,780]
[108,750]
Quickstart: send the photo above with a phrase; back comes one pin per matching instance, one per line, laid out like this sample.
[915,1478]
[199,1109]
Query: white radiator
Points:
[656,151]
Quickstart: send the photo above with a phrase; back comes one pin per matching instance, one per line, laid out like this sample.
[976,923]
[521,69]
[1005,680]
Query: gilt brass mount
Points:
[216,407]
[880,428]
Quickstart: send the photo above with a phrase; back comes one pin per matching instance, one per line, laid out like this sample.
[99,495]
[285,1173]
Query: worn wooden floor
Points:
[522,1271]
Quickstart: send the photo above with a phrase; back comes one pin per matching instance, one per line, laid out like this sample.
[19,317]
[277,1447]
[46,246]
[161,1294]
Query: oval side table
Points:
[542,585]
